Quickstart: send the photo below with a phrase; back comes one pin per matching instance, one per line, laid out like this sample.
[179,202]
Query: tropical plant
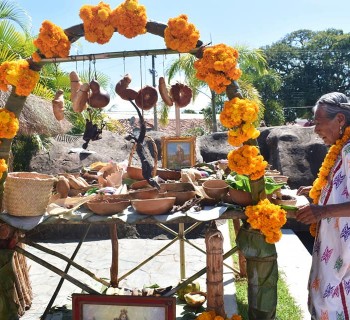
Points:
[251,61]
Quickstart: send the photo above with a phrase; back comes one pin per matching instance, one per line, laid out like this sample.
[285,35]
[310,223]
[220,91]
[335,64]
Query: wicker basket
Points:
[27,193]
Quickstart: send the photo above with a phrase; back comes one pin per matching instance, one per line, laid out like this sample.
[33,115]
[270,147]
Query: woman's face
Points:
[328,129]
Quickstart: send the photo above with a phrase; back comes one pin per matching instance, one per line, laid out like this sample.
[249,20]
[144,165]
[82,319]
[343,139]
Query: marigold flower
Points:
[52,41]
[9,124]
[268,218]
[129,19]
[180,35]
[3,167]
[218,67]
[18,74]
[97,22]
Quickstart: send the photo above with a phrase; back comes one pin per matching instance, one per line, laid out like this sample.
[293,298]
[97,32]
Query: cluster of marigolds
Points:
[218,67]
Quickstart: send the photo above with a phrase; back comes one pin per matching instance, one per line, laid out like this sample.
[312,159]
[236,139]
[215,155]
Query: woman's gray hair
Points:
[334,103]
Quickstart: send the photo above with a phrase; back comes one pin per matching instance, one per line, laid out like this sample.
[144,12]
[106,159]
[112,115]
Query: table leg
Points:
[182,250]
[115,256]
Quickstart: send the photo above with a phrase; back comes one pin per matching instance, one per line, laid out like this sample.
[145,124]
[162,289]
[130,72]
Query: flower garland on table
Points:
[3,167]
[238,115]
[129,19]
[52,41]
[218,67]
[180,35]
[97,24]
[268,218]
[18,74]
[9,124]
[326,167]
[247,160]
[211,315]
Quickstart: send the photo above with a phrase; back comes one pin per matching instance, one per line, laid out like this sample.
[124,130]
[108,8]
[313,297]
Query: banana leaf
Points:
[241,182]
[8,307]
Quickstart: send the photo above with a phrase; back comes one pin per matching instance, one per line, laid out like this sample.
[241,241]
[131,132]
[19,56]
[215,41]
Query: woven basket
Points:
[27,193]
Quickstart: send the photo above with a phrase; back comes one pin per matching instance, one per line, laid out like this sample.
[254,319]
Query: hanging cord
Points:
[89,75]
[94,63]
[141,78]
[124,63]
[144,65]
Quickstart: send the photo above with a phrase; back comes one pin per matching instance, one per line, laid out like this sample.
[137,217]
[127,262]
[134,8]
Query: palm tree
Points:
[252,63]
[14,43]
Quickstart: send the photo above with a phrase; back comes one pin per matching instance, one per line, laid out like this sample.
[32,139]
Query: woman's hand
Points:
[311,213]
[304,190]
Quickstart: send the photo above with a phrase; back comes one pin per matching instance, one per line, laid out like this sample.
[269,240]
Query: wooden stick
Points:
[56,270]
[115,256]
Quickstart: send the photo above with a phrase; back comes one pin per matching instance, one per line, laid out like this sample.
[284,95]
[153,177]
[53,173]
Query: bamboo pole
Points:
[215,286]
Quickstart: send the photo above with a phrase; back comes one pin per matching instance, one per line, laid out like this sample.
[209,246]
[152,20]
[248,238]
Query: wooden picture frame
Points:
[178,152]
[113,307]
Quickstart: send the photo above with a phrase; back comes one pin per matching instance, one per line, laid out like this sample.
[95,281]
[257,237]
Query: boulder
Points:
[295,151]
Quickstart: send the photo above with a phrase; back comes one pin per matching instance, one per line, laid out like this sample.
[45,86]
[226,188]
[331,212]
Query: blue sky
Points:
[253,23]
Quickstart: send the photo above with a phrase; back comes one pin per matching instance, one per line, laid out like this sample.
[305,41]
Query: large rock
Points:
[293,150]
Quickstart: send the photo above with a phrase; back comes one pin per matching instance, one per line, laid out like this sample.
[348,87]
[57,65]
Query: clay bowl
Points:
[181,196]
[140,185]
[153,206]
[215,188]
[146,193]
[107,207]
[243,198]
[286,200]
[134,173]
[176,186]
[195,303]
[167,174]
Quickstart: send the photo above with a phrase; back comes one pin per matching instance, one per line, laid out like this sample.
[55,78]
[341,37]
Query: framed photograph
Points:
[178,152]
[111,307]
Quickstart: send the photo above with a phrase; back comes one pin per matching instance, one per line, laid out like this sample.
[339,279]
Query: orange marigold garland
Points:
[129,19]
[247,160]
[9,124]
[211,315]
[238,115]
[180,35]
[326,167]
[18,74]
[218,67]
[3,167]
[97,23]
[268,218]
[52,41]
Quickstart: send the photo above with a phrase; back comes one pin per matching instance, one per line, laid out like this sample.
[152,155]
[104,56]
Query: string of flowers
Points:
[247,160]
[238,115]
[9,124]
[3,167]
[211,315]
[130,19]
[268,218]
[218,67]
[326,167]
[180,35]
[97,24]
[18,74]
[52,41]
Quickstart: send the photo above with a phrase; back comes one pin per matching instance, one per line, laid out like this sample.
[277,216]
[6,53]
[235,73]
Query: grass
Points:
[287,309]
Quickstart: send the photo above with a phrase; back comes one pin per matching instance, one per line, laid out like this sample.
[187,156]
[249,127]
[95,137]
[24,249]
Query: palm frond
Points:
[11,11]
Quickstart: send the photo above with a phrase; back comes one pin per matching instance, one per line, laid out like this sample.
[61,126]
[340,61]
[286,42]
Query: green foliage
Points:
[189,111]
[24,148]
[309,64]
[274,115]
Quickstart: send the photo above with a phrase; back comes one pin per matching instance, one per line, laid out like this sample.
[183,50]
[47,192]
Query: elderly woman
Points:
[329,282]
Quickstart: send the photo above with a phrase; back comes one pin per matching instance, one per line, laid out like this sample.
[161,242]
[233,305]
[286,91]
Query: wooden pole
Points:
[215,286]
[115,256]
[177,120]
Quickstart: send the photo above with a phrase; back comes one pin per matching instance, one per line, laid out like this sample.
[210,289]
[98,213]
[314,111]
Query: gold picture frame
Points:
[90,306]
[178,152]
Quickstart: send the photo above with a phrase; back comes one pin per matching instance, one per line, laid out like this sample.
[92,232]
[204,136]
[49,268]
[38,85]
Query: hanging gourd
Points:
[99,98]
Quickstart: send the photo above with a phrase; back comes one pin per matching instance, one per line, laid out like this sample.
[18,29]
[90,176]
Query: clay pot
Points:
[215,188]
[153,206]
[107,207]
[99,98]
[146,193]
[243,198]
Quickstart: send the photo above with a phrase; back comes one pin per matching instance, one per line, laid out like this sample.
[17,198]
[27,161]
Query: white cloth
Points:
[329,282]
